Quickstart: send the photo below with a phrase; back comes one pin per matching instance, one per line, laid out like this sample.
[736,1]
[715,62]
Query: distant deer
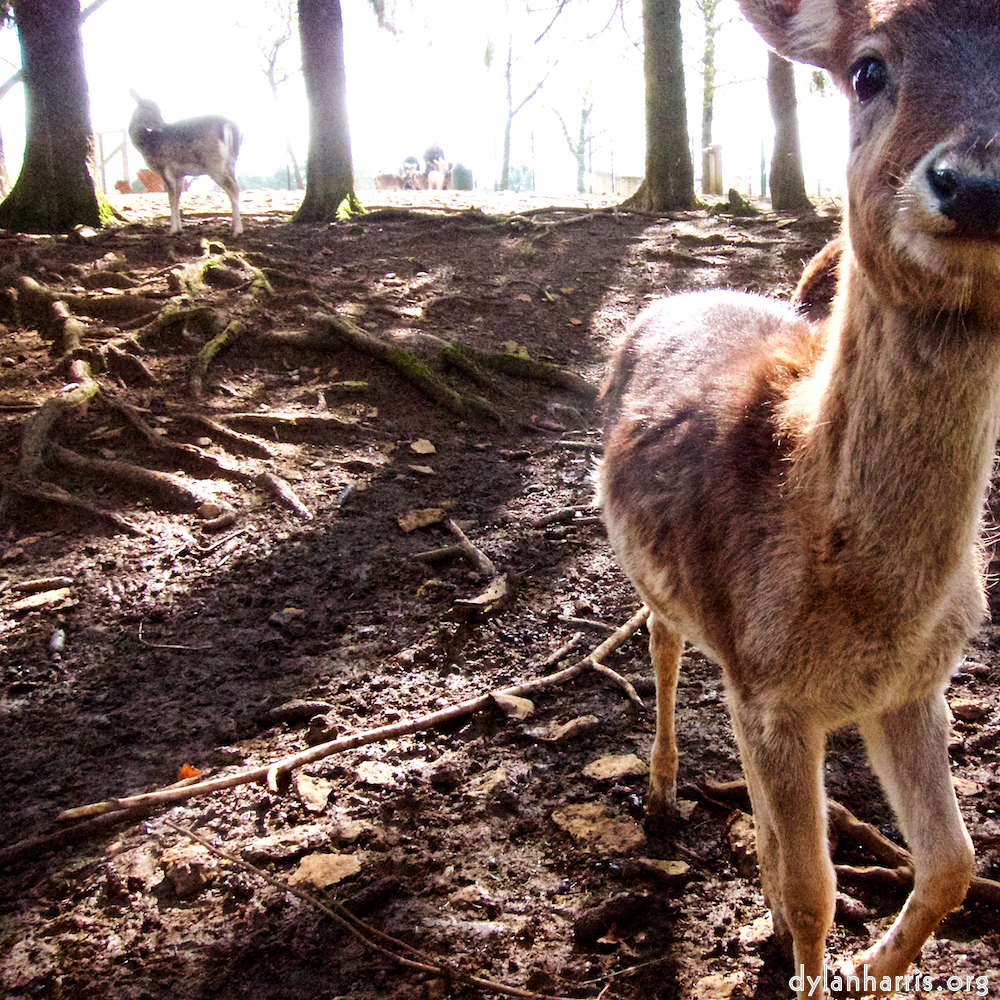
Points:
[805,502]
[188,148]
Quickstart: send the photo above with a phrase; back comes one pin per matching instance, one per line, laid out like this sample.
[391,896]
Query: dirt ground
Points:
[271,590]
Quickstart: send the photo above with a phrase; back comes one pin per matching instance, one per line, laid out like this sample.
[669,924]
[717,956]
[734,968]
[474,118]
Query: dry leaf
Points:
[414,519]
[423,447]
[322,870]
[513,707]
[523,297]
[41,600]
[576,322]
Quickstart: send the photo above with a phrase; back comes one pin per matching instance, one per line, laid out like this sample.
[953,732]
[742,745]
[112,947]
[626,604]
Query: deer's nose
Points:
[971,202]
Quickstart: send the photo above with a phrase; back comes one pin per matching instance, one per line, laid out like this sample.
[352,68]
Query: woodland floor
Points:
[141,630]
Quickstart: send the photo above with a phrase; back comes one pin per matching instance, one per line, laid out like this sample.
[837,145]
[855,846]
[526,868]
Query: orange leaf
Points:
[186,771]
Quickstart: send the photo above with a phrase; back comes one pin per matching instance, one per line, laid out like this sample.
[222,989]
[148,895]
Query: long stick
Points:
[95,817]
[170,796]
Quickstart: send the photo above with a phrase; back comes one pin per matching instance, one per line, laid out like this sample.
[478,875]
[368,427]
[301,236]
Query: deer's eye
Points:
[869,77]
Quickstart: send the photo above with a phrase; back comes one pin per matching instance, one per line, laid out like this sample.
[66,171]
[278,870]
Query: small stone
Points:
[616,766]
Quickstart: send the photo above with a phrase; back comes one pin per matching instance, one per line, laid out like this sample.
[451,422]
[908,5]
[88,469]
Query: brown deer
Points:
[187,148]
[805,502]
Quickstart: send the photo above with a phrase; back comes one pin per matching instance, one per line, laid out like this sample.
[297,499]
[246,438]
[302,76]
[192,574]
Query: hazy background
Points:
[430,82]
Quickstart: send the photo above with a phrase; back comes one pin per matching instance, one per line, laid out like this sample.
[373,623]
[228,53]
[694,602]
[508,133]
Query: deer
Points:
[804,502]
[188,148]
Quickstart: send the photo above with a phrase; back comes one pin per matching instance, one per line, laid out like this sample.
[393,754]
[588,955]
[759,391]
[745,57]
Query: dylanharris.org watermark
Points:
[863,984]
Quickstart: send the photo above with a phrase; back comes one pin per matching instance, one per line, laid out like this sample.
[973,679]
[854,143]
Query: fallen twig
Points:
[284,493]
[478,558]
[171,796]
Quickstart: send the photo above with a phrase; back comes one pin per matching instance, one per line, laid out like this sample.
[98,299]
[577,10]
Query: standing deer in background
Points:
[188,148]
[805,502]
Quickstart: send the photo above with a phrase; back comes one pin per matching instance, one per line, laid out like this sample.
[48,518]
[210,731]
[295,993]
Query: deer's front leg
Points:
[782,757]
[908,749]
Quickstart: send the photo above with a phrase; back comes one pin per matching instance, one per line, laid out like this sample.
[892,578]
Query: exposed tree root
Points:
[896,868]
[171,490]
[414,368]
[199,368]
[241,444]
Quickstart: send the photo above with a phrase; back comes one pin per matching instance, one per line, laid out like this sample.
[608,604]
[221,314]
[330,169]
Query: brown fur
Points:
[804,501]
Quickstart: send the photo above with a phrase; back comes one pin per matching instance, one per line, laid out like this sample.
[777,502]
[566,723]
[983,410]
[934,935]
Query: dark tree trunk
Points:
[788,186]
[669,181]
[55,190]
[329,166]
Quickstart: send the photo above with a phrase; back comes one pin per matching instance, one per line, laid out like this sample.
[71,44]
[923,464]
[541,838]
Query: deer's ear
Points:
[803,30]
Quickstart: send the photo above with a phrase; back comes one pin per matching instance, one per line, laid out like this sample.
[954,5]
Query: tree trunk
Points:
[329,167]
[55,190]
[505,164]
[669,181]
[708,9]
[788,186]
[581,150]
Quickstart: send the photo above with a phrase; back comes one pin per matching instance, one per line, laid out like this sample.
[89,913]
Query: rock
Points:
[589,824]
[567,730]
[595,921]
[188,868]
[718,987]
[512,707]
[673,873]
[969,709]
[615,767]
[285,845]
[375,774]
[313,793]
[743,843]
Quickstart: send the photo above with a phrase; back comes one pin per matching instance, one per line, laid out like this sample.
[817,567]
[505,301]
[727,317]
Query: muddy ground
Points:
[140,634]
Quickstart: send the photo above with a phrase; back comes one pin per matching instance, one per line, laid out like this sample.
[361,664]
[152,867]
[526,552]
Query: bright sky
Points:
[428,83]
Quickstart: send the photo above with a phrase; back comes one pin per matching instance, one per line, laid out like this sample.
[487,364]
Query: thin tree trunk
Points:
[669,181]
[505,165]
[329,165]
[55,190]
[788,187]
[708,8]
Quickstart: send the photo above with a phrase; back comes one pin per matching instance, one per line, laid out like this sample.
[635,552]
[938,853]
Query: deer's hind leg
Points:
[227,181]
[665,648]
[908,749]
[782,756]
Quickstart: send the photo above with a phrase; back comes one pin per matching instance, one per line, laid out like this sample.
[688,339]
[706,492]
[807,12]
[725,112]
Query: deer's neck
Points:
[898,447]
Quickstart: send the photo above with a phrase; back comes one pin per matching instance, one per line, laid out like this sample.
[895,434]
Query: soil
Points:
[141,635]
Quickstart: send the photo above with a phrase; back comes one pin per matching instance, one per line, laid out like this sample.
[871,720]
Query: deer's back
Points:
[184,142]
